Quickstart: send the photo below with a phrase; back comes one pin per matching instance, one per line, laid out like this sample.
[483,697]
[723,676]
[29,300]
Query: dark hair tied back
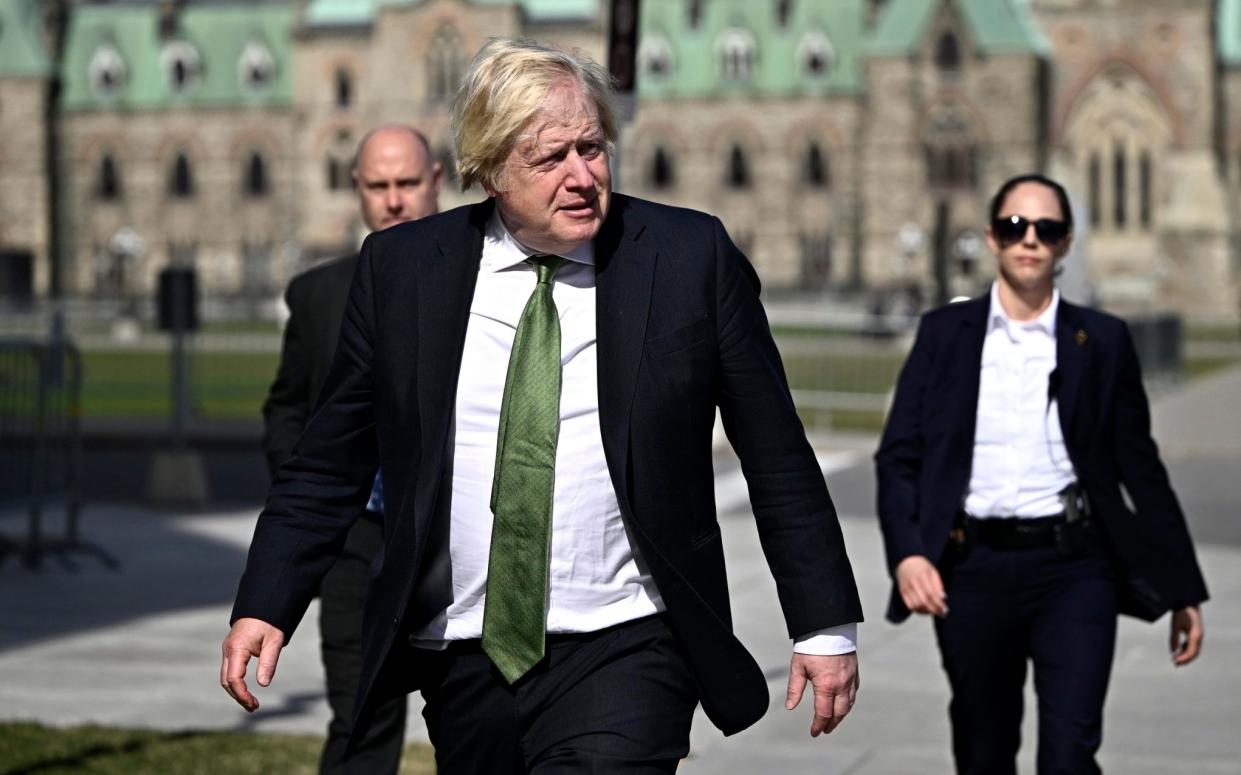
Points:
[997,201]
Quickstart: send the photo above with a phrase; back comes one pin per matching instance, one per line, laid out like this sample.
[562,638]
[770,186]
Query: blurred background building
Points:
[849,145]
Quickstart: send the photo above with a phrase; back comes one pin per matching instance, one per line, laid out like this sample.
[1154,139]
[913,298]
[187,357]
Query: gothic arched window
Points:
[343,88]
[181,178]
[109,186]
[816,172]
[256,176]
[948,53]
[738,168]
[444,64]
[663,171]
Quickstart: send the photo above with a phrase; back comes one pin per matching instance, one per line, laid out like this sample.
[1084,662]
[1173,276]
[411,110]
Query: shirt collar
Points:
[501,250]
[998,318]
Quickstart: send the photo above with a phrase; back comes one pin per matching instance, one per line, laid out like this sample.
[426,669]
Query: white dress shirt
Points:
[595,578]
[1020,463]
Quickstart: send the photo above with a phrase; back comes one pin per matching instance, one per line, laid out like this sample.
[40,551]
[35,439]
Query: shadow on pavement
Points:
[167,563]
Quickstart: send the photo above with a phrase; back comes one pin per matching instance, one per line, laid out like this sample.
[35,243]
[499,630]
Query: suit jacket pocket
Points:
[680,339]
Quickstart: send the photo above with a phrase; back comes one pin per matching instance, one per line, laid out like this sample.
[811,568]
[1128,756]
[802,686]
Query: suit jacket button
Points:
[394,622]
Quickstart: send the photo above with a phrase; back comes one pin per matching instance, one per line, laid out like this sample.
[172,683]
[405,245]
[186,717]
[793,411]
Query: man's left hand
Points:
[834,680]
[1185,640]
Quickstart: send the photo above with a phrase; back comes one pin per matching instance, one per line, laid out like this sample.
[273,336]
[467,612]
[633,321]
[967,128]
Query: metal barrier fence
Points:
[41,445]
[841,382]
[842,366]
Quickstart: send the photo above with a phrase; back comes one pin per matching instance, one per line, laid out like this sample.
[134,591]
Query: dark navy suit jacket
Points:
[924,458]
[680,330]
[316,301]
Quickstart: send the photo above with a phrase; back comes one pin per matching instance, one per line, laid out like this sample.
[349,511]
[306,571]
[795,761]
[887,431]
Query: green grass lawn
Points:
[232,385]
[225,385]
[1215,333]
[1200,367]
[34,748]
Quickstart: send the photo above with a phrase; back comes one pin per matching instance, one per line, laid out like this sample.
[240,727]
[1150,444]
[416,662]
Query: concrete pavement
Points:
[140,646]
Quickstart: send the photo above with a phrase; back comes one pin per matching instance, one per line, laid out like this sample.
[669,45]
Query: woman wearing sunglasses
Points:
[1017,418]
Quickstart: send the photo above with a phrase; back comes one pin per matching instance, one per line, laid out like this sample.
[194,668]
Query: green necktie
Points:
[515,615]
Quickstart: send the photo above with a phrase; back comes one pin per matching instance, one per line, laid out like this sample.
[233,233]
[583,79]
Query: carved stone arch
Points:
[181,142]
[427,46]
[967,113]
[342,75]
[819,126]
[1123,65]
[333,146]
[733,131]
[1116,132]
[952,135]
[445,60]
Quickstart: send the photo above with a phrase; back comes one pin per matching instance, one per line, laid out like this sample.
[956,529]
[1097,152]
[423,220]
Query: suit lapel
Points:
[968,364]
[625,272]
[445,289]
[1072,360]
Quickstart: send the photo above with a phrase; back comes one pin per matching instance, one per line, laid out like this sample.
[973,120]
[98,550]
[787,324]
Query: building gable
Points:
[995,26]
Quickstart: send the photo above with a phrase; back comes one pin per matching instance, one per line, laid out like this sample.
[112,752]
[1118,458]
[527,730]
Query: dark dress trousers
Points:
[680,330]
[316,301]
[1010,606]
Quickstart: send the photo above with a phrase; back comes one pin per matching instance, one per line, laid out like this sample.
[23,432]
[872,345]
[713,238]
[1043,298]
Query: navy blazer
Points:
[680,331]
[316,302]
[924,458]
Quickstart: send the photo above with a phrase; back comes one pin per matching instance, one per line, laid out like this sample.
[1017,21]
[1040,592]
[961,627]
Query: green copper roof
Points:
[340,12]
[553,10]
[696,59]
[362,12]
[1228,31]
[220,33]
[22,50]
[995,26]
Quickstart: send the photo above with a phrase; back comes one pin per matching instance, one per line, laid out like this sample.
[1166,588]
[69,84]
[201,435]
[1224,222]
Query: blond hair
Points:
[505,87]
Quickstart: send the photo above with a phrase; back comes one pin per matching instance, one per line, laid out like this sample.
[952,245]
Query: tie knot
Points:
[546,267]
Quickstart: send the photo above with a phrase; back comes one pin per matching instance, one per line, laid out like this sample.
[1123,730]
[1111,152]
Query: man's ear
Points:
[437,176]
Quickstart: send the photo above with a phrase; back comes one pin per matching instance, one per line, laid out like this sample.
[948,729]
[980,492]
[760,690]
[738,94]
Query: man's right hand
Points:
[921,587]
[247,638]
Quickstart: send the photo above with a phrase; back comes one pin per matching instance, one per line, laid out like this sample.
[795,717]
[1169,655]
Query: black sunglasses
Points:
[1012,228]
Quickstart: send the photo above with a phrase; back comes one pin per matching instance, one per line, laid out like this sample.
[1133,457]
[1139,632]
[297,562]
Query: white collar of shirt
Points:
[501,250]
[998,318]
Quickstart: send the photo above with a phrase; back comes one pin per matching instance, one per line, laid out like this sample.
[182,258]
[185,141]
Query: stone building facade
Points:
[25,73]
[848,145]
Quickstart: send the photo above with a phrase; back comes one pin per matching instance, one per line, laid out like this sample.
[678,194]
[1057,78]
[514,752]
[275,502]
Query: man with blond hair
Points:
[396,180]
[539,375]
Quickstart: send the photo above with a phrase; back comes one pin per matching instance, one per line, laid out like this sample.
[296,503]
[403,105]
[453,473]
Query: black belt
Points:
[475,645]
[1013,532]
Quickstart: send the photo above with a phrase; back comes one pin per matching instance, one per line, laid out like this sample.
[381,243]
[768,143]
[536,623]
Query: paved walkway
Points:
[140,646]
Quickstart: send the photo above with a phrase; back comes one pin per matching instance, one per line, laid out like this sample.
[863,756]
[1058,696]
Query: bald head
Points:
[395,177]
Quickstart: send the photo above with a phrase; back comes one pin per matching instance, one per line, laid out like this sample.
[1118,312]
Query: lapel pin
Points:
[1081,337]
